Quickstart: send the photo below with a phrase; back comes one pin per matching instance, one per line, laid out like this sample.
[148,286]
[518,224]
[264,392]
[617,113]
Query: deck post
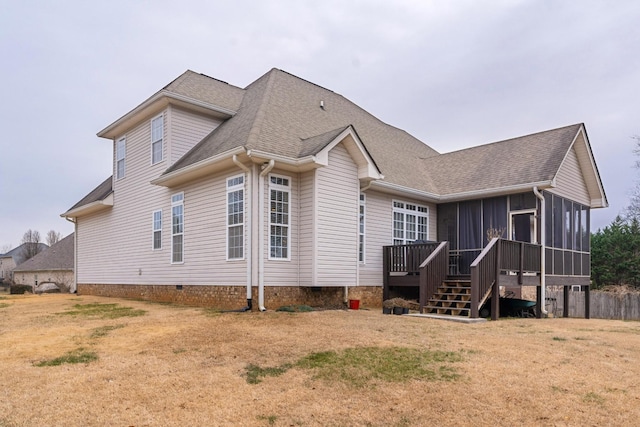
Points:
[385,275]
[587,302]
[565,301]
[539,302]
[495,292]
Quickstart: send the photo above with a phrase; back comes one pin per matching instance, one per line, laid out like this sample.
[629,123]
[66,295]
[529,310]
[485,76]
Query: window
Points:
[121,150]
[361,229]
[177,228]
[157,230]
[279,195]
[157,133]
[410,223]
[235,217]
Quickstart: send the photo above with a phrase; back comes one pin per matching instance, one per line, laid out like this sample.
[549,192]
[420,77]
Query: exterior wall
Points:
[337,204]
[379,233]
[570,181]
[185,130]
[115,245]
[6,265]
[307,217]
[282,272]
[62,278]
[233,297]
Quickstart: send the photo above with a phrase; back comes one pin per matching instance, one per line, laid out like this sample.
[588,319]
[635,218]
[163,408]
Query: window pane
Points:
[558,221]
[177,248]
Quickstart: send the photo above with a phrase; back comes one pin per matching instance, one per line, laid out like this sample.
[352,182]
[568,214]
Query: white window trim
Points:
[122,140]
[404,210]
[244,216]
[362,205]
[287,189]
[154,230]
[161,140]
[177,203]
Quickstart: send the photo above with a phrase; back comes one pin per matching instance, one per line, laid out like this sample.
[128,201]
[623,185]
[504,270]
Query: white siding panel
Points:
[338,191]
[570,180]
[306,231]
[187,129]
[280,272]
[379,233]
[115,246]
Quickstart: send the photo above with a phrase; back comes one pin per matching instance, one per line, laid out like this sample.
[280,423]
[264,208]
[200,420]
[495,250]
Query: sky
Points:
[454,74]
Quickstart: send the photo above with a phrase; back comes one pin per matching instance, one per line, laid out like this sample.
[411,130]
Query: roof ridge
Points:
[514,138]
[254,132]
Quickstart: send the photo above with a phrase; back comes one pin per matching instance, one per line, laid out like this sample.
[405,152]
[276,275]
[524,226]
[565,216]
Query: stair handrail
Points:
[433,271]
[484,273]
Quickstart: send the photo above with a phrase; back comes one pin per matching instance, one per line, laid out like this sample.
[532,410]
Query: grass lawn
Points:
[71,360]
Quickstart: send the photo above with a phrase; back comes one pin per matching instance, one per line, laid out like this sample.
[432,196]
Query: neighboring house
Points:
[55,265]
[13,258]
[287,192]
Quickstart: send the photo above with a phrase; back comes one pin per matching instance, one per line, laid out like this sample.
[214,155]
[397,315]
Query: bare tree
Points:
[5,248]
[31,242]
[53,237]
[633,210]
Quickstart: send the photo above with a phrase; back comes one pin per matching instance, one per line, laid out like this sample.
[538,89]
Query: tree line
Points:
[615,249]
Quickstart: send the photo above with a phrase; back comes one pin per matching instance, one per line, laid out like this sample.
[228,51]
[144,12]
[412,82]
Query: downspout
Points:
[248,227]
[543,282]
[261,238]
[75,254]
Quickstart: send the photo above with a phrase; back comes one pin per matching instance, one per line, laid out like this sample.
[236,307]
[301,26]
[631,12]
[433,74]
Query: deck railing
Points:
[433,271]
[501,257]
[406,258]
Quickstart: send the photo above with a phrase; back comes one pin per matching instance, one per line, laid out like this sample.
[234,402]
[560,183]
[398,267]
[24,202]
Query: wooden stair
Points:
[452,298]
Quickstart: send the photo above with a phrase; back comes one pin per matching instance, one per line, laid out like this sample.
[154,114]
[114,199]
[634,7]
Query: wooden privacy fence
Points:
[604,305]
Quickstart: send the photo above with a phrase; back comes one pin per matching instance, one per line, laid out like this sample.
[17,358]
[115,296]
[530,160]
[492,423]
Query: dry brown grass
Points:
[185,366]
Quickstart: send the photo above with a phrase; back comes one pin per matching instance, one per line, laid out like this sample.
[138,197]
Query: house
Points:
[285,192]
[15,257]
[54,265]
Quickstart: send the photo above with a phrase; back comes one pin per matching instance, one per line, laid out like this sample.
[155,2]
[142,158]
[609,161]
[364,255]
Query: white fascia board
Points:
[197,170]
[89,208]
[155,104]
[301,164]
[467,195]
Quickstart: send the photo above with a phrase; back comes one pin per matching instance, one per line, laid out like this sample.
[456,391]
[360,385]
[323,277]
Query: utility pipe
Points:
[266,169]
[543,282]
[248,227]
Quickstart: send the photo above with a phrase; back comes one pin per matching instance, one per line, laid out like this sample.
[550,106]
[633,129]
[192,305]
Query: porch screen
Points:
[470,225]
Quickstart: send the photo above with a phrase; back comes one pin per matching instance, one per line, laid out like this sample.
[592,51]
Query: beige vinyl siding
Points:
[282,272]
[379,233]
[307,227]
[570,180]
[187,129]
[115,245]
[59,277]
[338,191]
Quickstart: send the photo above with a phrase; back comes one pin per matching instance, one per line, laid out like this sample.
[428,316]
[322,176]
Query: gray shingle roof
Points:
[280,113]
[57,257]
[207,89]
[97,194]
[17,254]
[527,159]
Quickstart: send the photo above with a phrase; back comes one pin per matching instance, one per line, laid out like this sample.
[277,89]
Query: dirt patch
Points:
[187,366]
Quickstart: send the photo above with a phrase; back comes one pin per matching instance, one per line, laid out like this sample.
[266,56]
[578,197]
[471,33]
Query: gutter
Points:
[543,282]
[267,167]
[247,227]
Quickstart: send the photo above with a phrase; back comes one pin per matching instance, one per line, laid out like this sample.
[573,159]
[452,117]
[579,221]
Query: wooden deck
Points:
[423,269]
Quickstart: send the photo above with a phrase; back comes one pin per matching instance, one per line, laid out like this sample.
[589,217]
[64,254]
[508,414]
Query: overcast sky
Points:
[453,73]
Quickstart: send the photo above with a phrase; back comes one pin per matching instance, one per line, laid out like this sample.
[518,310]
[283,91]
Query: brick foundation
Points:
[235,297]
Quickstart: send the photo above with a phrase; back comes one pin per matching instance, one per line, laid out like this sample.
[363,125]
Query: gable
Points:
[570,180]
